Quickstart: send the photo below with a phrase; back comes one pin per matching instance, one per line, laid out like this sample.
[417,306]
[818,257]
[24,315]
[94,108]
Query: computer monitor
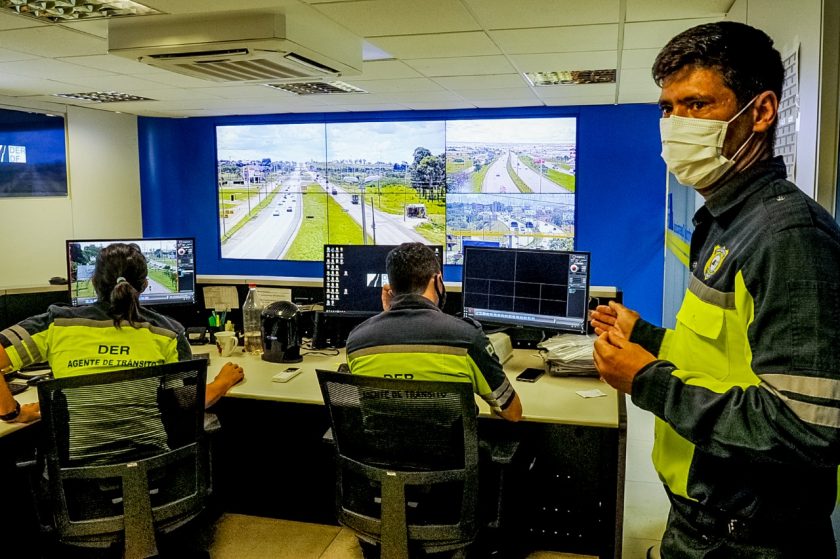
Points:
[171,265]
[542,289]
[354,276]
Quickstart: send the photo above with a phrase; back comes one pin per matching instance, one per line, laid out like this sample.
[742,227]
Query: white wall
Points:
[104,199]
[792,22]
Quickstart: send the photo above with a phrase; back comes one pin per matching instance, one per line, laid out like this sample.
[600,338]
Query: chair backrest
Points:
[125,453]
[415,443]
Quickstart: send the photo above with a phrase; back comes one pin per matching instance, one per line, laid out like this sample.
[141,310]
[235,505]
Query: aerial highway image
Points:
[286,190]
[510,183]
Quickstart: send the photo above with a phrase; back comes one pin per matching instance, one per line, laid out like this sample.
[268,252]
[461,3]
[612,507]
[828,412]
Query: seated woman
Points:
[114,333]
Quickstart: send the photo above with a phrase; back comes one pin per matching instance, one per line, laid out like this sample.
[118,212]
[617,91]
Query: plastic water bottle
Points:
[251,311]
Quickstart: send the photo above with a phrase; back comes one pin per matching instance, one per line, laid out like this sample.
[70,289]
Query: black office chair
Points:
[407,461]
[125,455]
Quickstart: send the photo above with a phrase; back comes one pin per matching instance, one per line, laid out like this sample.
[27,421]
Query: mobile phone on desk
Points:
[531,374]
[286,374]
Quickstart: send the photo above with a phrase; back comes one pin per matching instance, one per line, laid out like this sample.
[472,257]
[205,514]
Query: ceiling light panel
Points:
[570,77]
[58,11]
[103,97]
[317,88]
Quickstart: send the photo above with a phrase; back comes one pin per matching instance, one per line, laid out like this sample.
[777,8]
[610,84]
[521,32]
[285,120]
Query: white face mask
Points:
[693,148]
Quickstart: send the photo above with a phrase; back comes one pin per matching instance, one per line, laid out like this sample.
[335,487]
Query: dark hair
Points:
[743,55]
[115,263]
[410,267]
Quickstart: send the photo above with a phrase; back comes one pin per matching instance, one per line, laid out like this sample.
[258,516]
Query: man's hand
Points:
[615,317]
[618,361]
[230,374]
[387,295]
[29,413]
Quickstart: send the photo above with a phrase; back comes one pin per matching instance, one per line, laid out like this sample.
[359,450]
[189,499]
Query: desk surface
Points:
[549,400]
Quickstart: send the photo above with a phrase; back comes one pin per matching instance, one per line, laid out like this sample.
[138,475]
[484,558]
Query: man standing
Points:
[413,339]
[746,388]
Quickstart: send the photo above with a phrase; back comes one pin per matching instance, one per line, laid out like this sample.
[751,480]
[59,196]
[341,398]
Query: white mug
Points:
[226,342]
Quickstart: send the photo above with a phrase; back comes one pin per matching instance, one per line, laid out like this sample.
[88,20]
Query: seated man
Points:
[414,339]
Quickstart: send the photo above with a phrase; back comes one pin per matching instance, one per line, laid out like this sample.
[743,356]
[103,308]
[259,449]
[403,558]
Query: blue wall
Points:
[620,191]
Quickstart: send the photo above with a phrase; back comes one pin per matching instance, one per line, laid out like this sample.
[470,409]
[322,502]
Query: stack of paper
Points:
[569,355]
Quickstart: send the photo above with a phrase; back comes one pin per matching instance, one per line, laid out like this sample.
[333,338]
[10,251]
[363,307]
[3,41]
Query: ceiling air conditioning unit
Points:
[239,46]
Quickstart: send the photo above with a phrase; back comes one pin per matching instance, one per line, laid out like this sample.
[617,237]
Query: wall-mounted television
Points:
[286,190]
[170,263]
[33,154]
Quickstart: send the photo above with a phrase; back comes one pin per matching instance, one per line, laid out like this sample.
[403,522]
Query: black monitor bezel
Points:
[333,313]
[503,324]
[74,303]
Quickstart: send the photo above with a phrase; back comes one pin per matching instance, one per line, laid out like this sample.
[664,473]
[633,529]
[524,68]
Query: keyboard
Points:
[17,387]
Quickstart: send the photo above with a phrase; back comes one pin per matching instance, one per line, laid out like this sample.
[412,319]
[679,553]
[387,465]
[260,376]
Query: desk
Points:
[569,497]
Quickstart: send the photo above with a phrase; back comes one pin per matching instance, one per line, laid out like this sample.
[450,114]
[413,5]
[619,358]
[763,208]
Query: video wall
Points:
[286,190]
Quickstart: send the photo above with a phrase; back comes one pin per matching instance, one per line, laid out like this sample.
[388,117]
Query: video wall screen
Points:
[286,190]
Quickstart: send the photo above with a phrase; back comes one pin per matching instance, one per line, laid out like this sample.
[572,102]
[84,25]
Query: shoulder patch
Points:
[789,210]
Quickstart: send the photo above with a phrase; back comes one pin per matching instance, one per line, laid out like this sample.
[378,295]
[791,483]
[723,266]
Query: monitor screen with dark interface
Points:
[354,276]
[531,288]
[170,262]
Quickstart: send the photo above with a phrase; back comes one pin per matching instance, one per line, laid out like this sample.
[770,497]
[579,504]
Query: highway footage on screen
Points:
[285,190]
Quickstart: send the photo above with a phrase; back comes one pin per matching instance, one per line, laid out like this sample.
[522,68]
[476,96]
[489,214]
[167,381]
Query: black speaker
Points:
[319,331]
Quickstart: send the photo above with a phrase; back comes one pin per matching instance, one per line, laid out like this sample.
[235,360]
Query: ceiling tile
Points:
[382,107]
[17,86]
[638,58]
[483,82]
[98,27]
[598,60]
[55,69]
[637,97]
[583,90]
[462,66]
[52,41]
[178,80]
[388,86]
[109,63]
[648,10]
[14,21]
[557,39]
[122,84]
[249,92]
[588,100]
[384,70]
[475,43]
[195,6]
[505,14]
[7,55]
[499,103]
[655,34]
[639,83]
[523,93]
[374,18]
[439,105]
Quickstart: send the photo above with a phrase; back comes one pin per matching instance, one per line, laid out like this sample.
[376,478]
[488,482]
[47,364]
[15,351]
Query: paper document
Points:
[268,295]
[221,297]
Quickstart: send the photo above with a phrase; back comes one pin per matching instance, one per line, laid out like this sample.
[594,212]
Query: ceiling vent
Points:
[240,46]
